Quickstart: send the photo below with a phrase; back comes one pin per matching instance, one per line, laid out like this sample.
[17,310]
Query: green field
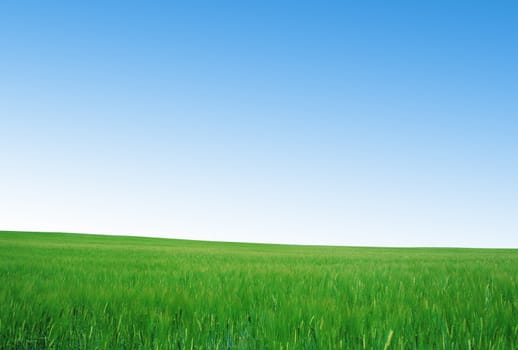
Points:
[67,291]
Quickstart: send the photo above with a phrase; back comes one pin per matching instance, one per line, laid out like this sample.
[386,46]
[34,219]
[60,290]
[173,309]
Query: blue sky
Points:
[351,123]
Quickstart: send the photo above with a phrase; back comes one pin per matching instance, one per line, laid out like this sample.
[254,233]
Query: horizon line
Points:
[157,236]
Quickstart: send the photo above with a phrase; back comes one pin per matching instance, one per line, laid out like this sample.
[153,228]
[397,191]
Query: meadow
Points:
[71,291]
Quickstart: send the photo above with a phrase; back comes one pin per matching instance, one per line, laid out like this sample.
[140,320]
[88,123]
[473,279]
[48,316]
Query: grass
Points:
[68,291]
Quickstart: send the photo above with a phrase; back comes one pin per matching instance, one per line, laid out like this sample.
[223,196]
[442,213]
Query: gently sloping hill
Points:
[86,291]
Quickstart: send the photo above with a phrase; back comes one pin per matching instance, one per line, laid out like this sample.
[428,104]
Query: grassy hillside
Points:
[64,291]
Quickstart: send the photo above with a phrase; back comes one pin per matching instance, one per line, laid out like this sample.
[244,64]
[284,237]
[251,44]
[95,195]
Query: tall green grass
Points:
[64,291]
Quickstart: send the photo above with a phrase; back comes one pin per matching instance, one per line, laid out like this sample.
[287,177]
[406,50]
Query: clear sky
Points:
[352,123]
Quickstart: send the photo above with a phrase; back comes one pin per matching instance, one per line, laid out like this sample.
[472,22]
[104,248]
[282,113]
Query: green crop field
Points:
[67,291]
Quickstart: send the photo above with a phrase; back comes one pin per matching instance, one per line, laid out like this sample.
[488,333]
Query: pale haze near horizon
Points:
[352,124]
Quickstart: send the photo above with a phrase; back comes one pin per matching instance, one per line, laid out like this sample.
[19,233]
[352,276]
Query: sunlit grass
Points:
[62,291]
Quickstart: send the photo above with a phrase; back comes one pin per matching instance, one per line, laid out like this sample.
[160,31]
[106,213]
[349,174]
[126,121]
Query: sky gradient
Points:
[350,123]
